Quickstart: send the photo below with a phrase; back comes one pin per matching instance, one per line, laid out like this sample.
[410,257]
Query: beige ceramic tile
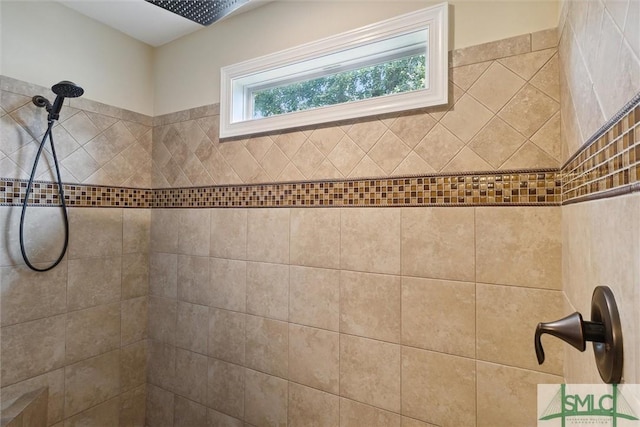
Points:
[496,142]
[355,414]
[228,284]
[439,315]
[366,133]
[191,375]
[91,381]
[162,319]
[370,372]
[438,147]
[93,283]
[438,243]
[389,151]
[268,235]
[164,230]
[188,413]
[544,39]
[529,110]
[506,319]
[133,320]
[411,422]
[517,389]
[314,357]
[161,365]
[548,137]
[193,232]
[370,305]
[218,419]
[107,413]
[133,365]
[370,240]
[366,168]
[312,408]
[163,275]
[411,128]
[266,345]
[501,233]
[133,407]
[191,330]
[226,335]
[466,75]
[265,399]
[315,237]
[496,86]
[160,405]
[136,230]
[530,156]
[226,387]
[547,79]
[326,138]
[97,232]
[466,118]
[258,146]
[53,380]
[307,159]
[28,295]
[492,50]
[467,161]
[268,290]
[314,297]
[135,275]
[426,376]
[92,331]
[32,348]
[228,233]
[193,279]
[528,64]
[413,164]
[346,155]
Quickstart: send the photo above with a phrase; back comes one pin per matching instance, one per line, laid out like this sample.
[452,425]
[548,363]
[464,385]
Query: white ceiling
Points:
[142,20]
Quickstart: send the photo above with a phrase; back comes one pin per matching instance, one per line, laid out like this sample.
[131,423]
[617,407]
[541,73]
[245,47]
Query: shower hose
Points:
[62,202]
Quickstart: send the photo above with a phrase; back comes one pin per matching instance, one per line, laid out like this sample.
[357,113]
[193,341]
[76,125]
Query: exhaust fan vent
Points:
[201,12]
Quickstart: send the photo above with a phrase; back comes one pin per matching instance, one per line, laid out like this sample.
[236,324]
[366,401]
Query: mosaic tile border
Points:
[510,188]
[609,163]
[12,193]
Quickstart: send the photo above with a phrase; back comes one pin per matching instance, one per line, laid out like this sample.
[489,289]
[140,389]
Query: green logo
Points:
[588,404]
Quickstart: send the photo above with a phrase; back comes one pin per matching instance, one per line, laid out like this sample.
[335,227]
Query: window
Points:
[398,64]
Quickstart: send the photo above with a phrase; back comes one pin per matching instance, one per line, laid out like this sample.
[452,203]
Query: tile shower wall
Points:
[599,65]
[600,72]
[503,114]
[95,143]
[79,329]
[397,316]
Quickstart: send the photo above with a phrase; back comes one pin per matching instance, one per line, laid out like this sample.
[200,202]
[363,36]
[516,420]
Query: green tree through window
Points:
[396,76]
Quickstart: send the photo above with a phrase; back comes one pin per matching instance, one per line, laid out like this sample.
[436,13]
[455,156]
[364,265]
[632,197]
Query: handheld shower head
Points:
[64,89]
[67,89]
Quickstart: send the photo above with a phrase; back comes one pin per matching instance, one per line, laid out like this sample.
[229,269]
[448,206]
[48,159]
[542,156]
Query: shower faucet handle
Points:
[572,330]
[604,330]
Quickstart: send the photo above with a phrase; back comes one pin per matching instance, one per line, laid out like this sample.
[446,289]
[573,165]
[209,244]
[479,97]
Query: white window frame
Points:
[233,95]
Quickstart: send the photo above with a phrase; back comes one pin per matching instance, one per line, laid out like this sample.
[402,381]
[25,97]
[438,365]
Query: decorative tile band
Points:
[12,192]
[608,165]
[610,161]
[509,188]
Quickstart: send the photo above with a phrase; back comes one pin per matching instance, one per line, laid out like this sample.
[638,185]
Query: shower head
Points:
[67,89]
[64,89]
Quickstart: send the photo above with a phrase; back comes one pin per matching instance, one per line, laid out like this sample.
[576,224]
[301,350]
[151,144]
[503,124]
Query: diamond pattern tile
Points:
[496,142]
[389,151]
[529,110]
[499,112]
[496,86]
[466,118]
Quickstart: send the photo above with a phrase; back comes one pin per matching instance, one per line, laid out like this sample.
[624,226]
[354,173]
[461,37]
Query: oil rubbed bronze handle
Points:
[604,331]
